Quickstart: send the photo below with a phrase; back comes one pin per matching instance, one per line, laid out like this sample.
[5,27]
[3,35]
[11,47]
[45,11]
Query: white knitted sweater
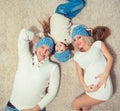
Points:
[60,28]
[33,77]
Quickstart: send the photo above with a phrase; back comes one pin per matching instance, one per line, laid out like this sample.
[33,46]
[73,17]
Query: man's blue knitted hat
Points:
[63,56]
[46,41]
[79,30]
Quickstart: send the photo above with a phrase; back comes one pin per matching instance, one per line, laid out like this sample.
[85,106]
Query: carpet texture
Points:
[17,14]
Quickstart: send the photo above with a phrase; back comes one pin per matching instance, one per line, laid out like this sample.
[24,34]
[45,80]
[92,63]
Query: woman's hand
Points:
[102,80]
[90,88]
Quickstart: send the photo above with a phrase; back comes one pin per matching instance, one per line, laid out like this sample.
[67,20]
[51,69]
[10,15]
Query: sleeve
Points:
[23,43]
[97,44]
[75,57]
[52,89]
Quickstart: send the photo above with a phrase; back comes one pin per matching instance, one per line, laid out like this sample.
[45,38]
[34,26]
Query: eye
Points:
[74,40]
[48,50]
[79,37]
[42,47]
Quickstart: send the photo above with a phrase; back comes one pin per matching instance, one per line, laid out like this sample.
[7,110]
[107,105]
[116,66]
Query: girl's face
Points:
[79,41]
[60,47]
[42,52]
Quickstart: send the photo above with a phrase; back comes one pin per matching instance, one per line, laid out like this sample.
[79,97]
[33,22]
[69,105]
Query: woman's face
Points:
[42,52]
[79,41]
[60,47]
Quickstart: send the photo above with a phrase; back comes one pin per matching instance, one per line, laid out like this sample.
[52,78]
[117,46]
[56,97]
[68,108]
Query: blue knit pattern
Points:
[63,56]
[79,30]
[71,8]
[46,41]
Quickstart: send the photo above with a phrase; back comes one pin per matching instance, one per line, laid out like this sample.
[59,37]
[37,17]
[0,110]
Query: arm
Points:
[52,88]
[90,88]
[80,75]
[109,60]
[25,37]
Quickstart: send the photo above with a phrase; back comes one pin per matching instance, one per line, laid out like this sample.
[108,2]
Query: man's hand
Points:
[36,108]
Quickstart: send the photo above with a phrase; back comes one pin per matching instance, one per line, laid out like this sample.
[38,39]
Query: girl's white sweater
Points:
[60,27]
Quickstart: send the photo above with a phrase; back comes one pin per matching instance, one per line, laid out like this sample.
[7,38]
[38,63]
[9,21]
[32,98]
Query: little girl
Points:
[60,26]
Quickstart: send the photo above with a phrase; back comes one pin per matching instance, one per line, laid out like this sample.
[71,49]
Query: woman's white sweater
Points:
[33,77]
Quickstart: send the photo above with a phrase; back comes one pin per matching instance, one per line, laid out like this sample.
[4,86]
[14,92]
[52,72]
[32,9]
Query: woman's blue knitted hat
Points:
[46,41]
[79,30]
[63,56]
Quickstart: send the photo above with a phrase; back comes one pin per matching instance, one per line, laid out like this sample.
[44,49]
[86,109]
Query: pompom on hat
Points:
[79,30]
[46,41]
[63,56]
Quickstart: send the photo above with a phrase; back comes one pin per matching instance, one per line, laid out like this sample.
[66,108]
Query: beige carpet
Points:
[16,14]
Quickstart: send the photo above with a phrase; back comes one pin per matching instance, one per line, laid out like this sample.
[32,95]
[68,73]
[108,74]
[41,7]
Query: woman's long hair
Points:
[101,33]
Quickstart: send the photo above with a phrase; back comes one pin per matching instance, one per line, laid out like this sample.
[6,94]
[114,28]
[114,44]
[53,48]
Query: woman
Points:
[93,64]
[35,75]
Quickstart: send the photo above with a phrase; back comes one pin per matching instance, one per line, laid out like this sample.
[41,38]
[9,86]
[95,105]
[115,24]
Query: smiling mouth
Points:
[42,55]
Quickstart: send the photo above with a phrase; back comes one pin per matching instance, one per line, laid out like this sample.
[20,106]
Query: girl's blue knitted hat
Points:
[46,41]
[79,30]
[63,56]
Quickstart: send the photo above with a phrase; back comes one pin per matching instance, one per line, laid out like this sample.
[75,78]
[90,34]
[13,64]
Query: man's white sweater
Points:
[33,77]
